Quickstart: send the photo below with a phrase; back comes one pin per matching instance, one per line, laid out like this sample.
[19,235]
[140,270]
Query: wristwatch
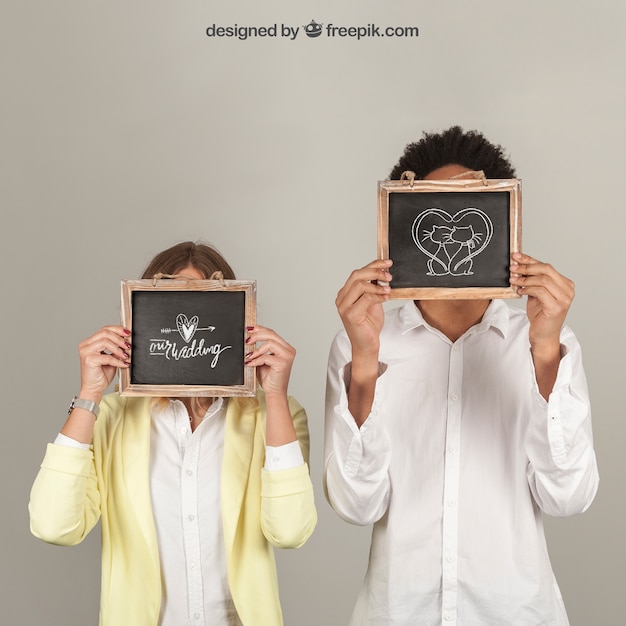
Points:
[88,405]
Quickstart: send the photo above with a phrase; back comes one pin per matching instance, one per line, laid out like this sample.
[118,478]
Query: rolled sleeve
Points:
[563,472]
[356,468]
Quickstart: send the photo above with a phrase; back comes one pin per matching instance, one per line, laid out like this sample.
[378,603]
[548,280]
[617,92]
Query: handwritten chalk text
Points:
[170,350]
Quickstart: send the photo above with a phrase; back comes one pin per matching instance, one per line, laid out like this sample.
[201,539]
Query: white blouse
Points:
[185,477]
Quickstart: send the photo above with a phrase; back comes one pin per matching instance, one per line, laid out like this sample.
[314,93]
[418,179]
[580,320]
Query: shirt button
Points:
[452,449]
[448,617]
[455,348]
[191,518]
[196,616]
[451,502]
[451,559]
[455,397]
[183,430]
[189,473]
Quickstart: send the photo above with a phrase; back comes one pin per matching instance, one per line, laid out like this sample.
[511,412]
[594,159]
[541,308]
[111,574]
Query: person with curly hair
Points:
[451,425]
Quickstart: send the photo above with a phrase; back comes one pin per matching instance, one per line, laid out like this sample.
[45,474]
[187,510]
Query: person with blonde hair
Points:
[193,494]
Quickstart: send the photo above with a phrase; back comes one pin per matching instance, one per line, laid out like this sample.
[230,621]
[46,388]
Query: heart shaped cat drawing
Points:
[451,242]
[187,328]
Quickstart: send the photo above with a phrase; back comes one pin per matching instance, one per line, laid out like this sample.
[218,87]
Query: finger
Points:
[281,350]
[106,347]
[106,337]
[97,361]
[524,264]
[552,301]
[261,333]
[375,271]
[520,257]
[111,331]
[528,272]
[542,279]
[359,310]
[270,365]
[258,359]
[269,340]
[363,292]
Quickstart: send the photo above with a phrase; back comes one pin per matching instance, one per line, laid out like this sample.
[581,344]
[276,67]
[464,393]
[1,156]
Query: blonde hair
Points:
[203,257]
[207,260]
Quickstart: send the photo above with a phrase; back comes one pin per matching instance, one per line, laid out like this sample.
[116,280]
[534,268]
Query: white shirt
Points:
[185,476]
[452,466]
[185,470]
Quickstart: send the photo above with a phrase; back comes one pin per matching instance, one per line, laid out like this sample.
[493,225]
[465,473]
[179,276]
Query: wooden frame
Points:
[432,264]
[153,304]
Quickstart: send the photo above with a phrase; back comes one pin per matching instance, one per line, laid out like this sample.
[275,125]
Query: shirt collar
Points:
[218,404]
[496,316]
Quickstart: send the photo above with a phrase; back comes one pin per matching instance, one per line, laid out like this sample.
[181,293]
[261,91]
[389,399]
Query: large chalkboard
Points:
[188,337]
[450,239]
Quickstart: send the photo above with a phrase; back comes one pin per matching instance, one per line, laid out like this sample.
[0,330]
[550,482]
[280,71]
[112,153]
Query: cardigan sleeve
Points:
[288,514]
[64,500]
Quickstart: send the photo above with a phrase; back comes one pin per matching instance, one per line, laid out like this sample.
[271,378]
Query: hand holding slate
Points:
[273,359]
[359,303]
[100,356]
[550,296]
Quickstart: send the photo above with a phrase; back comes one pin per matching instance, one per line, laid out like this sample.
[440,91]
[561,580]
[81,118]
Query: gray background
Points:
[124,129]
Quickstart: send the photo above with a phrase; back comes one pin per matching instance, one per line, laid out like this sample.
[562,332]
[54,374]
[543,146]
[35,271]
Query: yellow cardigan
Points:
[260,509]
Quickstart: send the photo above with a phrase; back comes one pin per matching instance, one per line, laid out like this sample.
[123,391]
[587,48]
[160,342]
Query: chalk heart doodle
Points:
[186,327]
[451,242]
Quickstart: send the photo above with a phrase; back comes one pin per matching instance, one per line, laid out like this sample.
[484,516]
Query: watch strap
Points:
[81,403]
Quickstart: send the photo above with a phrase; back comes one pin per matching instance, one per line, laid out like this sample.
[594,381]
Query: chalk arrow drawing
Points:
[187,328]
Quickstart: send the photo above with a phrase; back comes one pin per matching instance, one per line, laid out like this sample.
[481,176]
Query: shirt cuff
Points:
[283,457]
[345,374]
[68,442]
[563,375]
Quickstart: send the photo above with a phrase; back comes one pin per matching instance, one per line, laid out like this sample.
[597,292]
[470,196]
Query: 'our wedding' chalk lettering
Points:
[170,350]
[187,328]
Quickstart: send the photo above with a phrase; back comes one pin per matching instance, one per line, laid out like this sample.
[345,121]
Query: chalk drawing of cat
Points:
[456,244]
[439,261]
[461,261]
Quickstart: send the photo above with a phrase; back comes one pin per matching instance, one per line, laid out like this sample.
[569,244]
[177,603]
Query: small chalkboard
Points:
[188,337]
[449,239]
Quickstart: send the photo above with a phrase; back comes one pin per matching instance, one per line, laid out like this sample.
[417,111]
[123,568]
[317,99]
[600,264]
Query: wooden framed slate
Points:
[450,239]
[188,337]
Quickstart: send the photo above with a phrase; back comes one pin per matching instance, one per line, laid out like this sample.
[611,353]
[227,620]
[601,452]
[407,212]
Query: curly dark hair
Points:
[470,149]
